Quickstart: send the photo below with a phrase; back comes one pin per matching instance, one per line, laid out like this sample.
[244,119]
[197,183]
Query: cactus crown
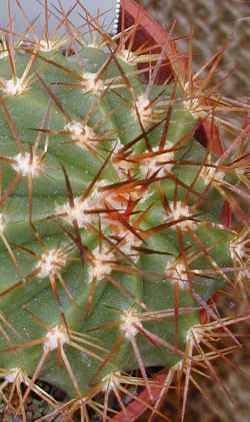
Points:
[110,218]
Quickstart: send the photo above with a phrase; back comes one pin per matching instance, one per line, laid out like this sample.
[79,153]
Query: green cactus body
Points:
[110,219]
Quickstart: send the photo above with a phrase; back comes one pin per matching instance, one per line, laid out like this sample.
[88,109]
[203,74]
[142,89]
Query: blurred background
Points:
[35,9]
[214,22]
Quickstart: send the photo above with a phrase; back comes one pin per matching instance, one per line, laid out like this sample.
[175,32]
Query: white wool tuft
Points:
[56,337]
[92,83]
[129,324]
[13,87]
[177,211]
[27,165]
[12,375]
[176,272]
[51,262]
[150,165]
[101,267]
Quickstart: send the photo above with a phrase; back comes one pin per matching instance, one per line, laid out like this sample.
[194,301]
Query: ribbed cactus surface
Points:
[111,240]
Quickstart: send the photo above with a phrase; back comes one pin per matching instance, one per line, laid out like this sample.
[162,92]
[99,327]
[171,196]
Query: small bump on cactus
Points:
[110,220]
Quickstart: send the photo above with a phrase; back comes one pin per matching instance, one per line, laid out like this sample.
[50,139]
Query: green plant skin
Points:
[143,278]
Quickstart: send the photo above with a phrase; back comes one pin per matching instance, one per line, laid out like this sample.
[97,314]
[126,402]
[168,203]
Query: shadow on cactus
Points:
[110,223]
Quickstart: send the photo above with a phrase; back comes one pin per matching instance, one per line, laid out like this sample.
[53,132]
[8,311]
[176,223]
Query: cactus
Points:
[110,222]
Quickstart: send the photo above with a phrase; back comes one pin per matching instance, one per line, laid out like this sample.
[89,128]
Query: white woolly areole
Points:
[27,164]
[12,375]
[92,83]
[192,104]
[129,323]
[75,128]
[194,107]
[78,132]
[144,109]
[237,249]
[77,212]
[177,274]
[56,337]
[128,243]
[111,381]
[150,165]
[100,266]
[13,87]
[47,45]
[51,262]
[2,223]
[179,210]
[210,174]
[122,166]
[97,199]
